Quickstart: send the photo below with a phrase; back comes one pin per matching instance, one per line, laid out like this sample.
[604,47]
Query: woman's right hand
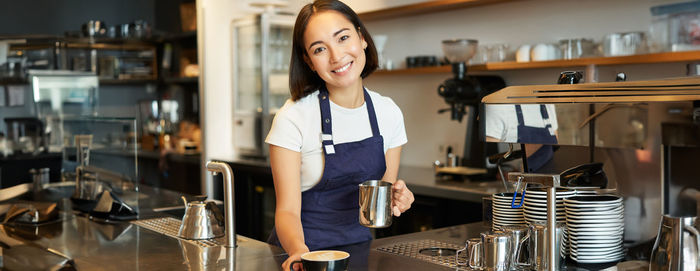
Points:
[296,256]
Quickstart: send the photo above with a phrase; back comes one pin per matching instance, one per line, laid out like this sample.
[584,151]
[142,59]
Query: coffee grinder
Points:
[463,93]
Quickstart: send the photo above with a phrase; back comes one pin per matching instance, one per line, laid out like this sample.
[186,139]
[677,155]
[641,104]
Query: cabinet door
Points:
[278,56]
[247,85]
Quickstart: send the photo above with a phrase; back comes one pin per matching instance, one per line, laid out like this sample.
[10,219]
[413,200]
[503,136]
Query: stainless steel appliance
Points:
[677,246]
[261,51]
[643,132]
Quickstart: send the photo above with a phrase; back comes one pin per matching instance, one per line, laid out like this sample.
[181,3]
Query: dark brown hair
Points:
[302,80]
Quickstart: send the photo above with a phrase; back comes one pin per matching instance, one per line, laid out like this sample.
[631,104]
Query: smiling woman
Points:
[316,165]
[346,29]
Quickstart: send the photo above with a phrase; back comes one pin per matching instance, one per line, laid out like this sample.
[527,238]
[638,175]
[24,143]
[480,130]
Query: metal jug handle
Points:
[695,232]
[217,212]
[464,249]
[519,249]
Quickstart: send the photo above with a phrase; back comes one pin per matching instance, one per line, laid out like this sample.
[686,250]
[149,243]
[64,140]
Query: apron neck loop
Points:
[327,123]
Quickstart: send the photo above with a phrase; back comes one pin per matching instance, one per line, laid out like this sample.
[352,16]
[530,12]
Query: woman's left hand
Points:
[402,198]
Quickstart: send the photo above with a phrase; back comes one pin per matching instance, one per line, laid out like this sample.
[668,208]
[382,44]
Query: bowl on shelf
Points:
[459,50]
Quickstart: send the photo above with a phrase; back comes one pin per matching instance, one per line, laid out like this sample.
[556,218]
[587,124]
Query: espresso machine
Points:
[463,93]
[654,174]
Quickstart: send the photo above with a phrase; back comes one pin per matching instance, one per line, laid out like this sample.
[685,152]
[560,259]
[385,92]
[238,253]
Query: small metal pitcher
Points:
[202,220]
[375,204]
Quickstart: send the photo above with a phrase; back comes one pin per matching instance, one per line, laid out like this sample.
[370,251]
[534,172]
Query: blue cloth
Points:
[536,135]
[330,209]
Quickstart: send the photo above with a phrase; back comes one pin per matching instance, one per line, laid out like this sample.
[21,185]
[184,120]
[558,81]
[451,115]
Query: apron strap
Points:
[543,112]
[546,120]
[327,123]
[519,113]
[372,114]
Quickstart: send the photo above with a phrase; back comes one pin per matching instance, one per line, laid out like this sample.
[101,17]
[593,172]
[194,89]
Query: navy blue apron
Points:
[537,135]
[330,209]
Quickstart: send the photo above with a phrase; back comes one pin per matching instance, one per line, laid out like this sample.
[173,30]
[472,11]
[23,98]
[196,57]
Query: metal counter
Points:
[120,246]
[94,245]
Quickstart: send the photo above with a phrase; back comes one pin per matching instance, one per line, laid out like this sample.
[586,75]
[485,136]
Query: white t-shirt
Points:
[502,120]
[297,127]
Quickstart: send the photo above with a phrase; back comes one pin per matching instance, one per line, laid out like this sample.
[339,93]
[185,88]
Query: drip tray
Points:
[431,251]
[170,226]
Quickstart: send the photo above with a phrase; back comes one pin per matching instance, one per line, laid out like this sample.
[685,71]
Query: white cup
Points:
[544,52]
[523,53]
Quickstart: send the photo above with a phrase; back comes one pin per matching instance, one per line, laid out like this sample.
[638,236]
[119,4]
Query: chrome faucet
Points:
[225,169]
[551,182]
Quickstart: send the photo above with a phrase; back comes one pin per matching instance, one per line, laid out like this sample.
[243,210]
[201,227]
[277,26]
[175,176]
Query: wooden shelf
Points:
[667,57]
[426,7]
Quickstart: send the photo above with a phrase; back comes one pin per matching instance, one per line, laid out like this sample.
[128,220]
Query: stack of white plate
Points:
[586,191]
[536,209]
[536,204]
[503,213]
[596,227]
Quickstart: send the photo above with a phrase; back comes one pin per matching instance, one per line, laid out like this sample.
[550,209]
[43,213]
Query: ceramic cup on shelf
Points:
[523,53]
[544,52]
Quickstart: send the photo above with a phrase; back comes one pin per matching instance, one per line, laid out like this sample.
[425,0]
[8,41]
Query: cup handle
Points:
[291,266]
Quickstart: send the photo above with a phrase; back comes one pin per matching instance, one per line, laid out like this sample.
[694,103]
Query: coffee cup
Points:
[327,260]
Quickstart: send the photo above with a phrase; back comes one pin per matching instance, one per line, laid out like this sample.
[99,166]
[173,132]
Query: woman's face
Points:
[335,49]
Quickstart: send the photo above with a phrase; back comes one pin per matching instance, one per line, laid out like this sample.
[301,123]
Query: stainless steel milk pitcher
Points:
[375,204]
[677,247]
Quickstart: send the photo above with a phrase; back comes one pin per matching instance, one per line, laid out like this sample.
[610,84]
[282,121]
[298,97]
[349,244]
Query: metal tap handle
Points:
[225,169]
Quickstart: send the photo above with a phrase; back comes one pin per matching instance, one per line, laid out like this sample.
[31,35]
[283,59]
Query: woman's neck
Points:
[350,97]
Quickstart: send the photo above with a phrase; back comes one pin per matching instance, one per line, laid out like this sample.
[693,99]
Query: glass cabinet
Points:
[261,48]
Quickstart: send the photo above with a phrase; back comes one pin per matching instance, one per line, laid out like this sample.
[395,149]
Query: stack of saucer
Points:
[595,225]
[503,213]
